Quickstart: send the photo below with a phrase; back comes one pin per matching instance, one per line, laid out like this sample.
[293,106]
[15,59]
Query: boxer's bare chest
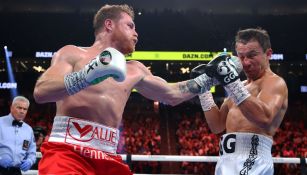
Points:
[104,102]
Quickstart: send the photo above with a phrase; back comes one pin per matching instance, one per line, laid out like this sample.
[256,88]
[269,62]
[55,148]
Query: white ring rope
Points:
[171,158]
[178,158]
[182,158]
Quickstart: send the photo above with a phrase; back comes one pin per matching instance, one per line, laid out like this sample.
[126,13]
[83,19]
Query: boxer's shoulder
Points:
[72,49]
[69,53]
[135,63]
[137,66]
[271,78]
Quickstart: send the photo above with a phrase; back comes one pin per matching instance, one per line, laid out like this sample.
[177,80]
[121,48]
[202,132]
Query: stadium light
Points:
[10,73]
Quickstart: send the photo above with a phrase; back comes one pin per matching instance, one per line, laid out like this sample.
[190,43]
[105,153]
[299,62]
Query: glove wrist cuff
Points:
[206,101]
[237,91]
[75,82]
[204,81]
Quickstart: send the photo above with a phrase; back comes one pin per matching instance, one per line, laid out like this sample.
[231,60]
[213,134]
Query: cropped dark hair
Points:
[254,34]
[112,12]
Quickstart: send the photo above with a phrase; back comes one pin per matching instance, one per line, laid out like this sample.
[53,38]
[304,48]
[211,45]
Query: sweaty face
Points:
[124,34]
[19,110]
[253,59]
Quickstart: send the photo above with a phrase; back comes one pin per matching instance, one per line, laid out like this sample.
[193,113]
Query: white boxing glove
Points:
[109,63]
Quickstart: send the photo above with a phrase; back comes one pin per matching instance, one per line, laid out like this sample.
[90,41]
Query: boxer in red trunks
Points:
[78,146]
[91,86]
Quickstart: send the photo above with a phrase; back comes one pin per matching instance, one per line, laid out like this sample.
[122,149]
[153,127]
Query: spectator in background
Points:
[39,134]
[17,142]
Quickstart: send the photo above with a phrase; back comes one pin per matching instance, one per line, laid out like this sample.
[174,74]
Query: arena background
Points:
[33,30]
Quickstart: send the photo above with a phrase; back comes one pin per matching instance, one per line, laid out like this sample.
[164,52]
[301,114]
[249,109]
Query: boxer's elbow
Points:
[265,123]
[173,101]
[38,95]
[261,116]
[46,91]
[42,95]
[266,118]
[169,102]
[216,128]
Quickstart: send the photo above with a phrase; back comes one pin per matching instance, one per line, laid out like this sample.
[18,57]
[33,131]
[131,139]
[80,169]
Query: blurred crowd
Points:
[195,139]
[141,135]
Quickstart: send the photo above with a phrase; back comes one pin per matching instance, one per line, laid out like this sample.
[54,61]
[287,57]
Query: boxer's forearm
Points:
[156,88]
[215,120]
[49,89]
[256,111]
